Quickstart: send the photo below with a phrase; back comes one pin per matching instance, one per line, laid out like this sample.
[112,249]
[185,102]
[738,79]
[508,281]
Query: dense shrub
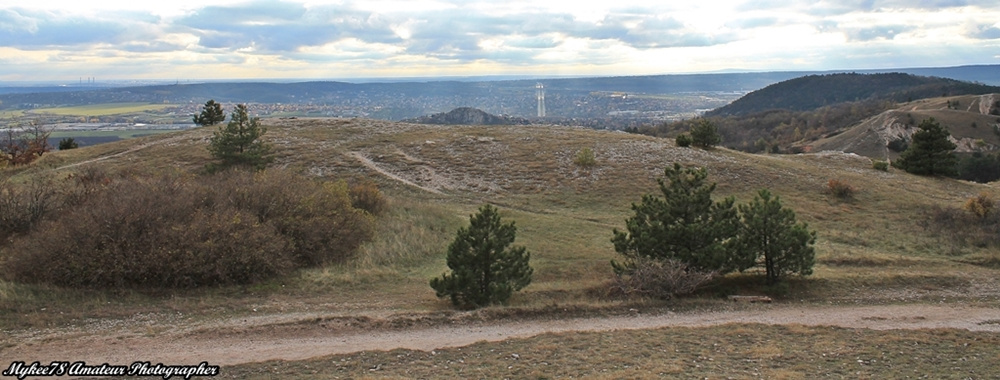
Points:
[366,196]
[176,231]
[683,140]
[880,165]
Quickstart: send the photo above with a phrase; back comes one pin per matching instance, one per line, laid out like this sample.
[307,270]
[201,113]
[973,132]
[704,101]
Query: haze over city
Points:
[192,40]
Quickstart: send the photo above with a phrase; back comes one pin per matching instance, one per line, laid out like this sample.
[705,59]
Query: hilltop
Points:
[814,91]
[468,116]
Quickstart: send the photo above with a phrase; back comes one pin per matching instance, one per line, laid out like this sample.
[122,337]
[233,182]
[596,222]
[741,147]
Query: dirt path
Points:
[371,165]
[313,338]
[119,154]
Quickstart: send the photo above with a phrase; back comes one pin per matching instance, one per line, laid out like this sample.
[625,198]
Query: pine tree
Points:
[704,134]
[484,270]
[930,153]
[685,225]
[769,236]
[240,141]
[211,114]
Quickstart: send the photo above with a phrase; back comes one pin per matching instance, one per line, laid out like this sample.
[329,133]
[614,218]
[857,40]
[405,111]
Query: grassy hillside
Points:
[871,249]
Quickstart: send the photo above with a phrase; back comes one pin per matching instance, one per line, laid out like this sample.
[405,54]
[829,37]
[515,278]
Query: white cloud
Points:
[518,36]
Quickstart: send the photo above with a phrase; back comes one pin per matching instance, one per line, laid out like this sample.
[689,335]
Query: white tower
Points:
[540,94]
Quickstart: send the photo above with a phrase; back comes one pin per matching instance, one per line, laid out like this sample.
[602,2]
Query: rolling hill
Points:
[814,91]
[881,247]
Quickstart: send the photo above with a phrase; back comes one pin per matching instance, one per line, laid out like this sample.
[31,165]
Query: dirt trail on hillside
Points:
[119,154]
[270,338]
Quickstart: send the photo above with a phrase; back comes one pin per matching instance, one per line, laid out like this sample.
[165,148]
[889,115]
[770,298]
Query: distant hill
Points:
[788,116]
[973,120]
[468,116]
[814,91]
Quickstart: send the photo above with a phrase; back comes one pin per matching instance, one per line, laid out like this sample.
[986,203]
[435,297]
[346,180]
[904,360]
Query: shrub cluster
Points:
[174,231]
[880,165]
[976,225]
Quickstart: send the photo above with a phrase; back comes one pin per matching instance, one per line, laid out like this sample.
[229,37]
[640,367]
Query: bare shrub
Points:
[178,232]
[661,279]
[22,206]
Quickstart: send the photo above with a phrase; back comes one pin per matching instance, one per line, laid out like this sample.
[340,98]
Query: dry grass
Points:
[564,214]
[728,351]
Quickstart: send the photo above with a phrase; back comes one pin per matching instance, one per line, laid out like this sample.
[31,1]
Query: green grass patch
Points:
[121,134]
[104,109]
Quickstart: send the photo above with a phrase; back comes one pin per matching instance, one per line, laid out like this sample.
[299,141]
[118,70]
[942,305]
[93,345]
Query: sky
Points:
[200,40]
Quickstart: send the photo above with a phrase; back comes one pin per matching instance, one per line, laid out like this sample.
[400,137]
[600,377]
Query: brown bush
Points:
[175,231]
[660,279]
[840,189]
[981,205]
[366,196]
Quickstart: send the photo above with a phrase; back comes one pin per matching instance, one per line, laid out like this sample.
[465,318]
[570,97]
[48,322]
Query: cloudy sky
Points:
[190,40]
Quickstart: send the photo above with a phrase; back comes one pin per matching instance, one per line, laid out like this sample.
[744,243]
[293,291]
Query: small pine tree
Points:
[211,114]
[68,143]
[930,153]
[585,158]
[240,141]
[769,236]
[704,134]
[484,270]
[685,225]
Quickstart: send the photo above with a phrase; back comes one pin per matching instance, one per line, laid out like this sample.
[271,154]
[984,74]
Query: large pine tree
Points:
[683,225]
[931,152]
[484,269]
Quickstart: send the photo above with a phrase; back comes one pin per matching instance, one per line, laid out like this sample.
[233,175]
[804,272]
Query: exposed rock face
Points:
[468,116]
